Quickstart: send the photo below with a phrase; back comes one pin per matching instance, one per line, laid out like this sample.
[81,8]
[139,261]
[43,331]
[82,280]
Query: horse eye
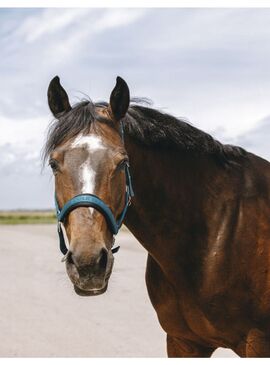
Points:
[122,164]
[53,165]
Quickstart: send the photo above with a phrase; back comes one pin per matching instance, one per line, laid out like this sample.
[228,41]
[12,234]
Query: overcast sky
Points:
[211,66]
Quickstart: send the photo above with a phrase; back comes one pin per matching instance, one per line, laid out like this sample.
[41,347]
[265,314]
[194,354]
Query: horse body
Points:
[211,268]
[201,210]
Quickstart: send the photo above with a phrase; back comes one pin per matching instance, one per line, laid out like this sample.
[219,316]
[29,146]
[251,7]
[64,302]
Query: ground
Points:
[41,316]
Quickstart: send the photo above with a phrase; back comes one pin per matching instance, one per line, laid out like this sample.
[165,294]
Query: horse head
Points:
[86,152]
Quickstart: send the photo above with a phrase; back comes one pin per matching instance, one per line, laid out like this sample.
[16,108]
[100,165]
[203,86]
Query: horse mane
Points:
[154,128]
[145,125]
[68,125]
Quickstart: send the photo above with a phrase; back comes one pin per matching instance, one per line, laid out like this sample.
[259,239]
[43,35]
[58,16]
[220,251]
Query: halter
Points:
[93,201]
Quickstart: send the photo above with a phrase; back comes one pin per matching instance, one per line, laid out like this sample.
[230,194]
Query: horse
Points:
[201,209]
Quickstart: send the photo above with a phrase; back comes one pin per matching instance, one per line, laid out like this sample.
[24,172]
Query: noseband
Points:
[93,201]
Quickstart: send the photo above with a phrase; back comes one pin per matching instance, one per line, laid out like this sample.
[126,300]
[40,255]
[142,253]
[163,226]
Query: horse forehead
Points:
[91,142]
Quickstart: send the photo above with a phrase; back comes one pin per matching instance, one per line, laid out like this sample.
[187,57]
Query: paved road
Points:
[40,315]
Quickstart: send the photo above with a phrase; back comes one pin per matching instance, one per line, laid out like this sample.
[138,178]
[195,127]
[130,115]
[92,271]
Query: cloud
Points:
[28,134]
[256,140]
[48,22]
[208,65]
[38,42]
[52,21]
[23,184]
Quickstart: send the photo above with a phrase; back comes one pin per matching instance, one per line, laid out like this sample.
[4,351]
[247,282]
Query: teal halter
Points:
[91,200]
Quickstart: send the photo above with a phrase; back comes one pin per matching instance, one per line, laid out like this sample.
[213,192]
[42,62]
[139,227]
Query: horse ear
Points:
[57,97]
[119,99]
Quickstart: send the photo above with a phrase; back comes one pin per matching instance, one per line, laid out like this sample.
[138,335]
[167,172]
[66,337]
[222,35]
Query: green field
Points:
[31,217]
[27,217]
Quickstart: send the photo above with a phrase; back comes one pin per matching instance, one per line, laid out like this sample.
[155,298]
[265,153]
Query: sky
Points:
[210,66]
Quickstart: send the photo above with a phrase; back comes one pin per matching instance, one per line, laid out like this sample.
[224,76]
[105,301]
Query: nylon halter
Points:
[93,201]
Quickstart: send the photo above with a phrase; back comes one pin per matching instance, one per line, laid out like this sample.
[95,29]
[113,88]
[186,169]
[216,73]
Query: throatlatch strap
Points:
[62,243]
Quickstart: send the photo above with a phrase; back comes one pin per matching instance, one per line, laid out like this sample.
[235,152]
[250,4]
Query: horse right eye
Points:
[53,165]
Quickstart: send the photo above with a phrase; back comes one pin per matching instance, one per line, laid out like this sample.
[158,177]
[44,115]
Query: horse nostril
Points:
[103,258]
[99,261]
[69,258]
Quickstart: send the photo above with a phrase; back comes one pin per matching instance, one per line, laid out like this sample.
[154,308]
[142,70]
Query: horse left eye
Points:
[121,165]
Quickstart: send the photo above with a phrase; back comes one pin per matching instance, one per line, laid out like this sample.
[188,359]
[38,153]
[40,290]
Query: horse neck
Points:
[168,187]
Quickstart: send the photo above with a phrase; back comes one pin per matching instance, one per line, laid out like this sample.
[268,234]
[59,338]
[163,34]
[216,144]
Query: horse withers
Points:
[201,209]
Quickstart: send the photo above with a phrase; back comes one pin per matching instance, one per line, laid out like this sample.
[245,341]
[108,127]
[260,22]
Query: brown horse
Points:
[201,210]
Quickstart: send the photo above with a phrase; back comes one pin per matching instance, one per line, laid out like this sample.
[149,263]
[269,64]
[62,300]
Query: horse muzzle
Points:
[92,278]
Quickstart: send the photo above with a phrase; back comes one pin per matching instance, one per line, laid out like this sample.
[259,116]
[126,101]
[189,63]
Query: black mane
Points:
[144,125]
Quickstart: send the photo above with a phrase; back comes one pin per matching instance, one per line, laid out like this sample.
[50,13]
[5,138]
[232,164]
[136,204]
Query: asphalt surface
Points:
[41,316]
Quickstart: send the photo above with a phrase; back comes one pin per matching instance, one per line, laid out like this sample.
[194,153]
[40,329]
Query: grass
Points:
[13,217]
[27,217]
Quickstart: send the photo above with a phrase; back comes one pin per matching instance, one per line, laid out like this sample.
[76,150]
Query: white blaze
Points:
[87,178]
[87,174]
